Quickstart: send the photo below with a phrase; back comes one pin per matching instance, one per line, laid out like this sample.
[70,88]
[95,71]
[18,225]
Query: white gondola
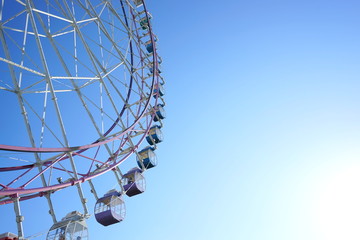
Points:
[71,227]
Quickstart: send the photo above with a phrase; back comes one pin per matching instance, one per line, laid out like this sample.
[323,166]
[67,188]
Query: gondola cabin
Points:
[152,70]
[110,208]
[8,236]
[159,112]
[147,158]
[149,46]
[135,182]
[155,135]
[144,23]
[138,3]
[159,90]
[71,227]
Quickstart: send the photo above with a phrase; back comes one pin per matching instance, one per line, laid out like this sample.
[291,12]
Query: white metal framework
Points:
[79,88]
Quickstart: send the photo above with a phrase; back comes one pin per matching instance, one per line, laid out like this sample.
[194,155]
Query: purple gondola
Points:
[110,209]
[135,182]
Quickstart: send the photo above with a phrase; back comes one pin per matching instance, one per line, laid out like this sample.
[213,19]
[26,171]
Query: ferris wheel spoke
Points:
[75,87]
[85,106]
[23,49]
[43,122]
[22,67]
[116,88]
[24,54]
[40,174]
[121,123]
[70,173]
[55,35]
[110,52]
[100,109]
[50,176]
[18,93]
[22,31]
[1,9]
[26,89]
[95,63]
[47,73]
[43,116]
[106,72]
[51,15]
[21,2]
[18,177]
[116,48]
[114,13]
[89,158]
[8,87]
[13,17]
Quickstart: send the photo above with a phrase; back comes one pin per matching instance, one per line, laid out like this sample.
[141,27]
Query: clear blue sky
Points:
[262,135]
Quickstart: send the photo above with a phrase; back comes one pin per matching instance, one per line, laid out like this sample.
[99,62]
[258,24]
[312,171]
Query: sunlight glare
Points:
[337,206]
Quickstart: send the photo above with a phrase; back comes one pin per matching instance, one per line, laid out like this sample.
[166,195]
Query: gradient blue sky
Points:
[262,135]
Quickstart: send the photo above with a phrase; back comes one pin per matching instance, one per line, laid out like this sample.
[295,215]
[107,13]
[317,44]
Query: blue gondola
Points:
[149,46]
[147,157]
[135,182]
[110,208]
[72,226]
[160,113]
[155,135]
[152,70]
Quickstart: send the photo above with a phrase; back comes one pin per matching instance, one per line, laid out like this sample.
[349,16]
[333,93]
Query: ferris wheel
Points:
[81,92]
